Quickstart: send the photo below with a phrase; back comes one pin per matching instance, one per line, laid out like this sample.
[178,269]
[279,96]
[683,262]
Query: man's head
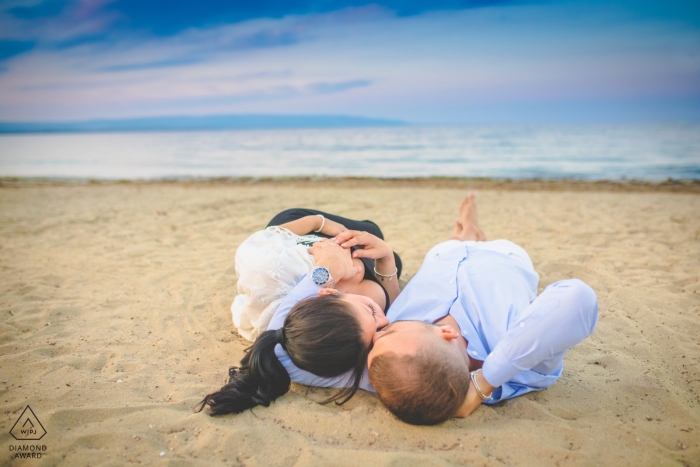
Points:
[419,371]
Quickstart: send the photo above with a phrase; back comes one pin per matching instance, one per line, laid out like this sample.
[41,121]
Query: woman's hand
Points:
[372,247]
[377,249]
[338,261]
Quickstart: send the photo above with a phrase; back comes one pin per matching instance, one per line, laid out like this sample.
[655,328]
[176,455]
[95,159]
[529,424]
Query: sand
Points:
[115,321]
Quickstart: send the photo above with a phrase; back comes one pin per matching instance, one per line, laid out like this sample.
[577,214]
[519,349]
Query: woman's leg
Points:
[293,214]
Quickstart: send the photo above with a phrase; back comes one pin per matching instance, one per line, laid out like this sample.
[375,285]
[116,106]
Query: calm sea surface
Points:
[633,151]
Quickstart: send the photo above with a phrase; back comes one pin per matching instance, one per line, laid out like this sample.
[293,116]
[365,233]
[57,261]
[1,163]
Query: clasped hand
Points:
[330,255]
[372,247]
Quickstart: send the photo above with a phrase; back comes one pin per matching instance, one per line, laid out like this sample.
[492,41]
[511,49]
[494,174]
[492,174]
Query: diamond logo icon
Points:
[28,426]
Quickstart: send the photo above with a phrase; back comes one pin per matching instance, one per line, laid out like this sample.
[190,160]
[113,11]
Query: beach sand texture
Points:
[115,322]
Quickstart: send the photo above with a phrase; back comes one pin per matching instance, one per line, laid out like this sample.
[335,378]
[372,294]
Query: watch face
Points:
[320,275]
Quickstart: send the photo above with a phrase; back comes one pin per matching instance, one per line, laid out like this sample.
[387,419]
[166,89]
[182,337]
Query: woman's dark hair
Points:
[321,335]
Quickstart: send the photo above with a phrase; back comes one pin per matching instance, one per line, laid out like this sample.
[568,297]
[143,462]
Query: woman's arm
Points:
[310,224]
[386,266]
[336,259]
[377,249]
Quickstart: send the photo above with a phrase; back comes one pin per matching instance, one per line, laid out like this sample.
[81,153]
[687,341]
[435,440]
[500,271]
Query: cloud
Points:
[39,10]
[326,88]
[271,93]
[368,60]
[174,62]
[165,17]
[57,23]
[11,48]
[48,21]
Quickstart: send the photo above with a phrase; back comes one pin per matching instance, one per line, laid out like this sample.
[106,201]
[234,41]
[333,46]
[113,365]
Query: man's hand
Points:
[473,401]
[470,404]
[337,259]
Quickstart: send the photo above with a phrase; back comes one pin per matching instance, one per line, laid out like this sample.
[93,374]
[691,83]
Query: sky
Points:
[424,62]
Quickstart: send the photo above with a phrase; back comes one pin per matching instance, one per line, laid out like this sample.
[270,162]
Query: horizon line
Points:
[222,122]
[199,122]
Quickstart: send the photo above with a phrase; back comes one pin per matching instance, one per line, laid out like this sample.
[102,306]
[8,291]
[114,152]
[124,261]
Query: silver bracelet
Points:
[472,375]
[323,222]
[386,276]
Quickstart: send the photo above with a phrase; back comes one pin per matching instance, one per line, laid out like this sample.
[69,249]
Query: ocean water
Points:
[602,151]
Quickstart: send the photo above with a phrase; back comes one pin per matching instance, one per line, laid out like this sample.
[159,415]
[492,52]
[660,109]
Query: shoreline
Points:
[618,186]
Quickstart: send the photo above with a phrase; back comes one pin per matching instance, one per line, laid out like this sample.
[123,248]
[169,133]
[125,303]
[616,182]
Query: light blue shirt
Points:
[487,287]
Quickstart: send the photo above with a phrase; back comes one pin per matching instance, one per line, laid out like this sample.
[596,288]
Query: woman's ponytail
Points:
[321,335]
[259,379]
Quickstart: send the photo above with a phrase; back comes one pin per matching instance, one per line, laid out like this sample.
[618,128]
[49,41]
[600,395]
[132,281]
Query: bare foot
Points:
[467,228]
[458,228]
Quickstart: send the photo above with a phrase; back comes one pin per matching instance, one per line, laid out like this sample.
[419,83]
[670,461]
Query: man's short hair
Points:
[423,389]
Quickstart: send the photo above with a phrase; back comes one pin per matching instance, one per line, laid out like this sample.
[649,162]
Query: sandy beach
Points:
[115,322]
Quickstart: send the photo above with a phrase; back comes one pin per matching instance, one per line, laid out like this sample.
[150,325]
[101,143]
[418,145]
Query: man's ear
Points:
[448,333]
[327,291]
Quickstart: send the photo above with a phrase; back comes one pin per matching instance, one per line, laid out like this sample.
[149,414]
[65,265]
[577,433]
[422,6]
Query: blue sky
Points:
[437,62]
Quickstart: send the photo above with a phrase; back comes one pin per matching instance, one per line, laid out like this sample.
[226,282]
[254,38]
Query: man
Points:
[468,328]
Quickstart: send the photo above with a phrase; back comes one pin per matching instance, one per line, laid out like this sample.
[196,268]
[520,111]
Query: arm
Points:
[377,249]
[473,400]
[310,224]
[570,307]
[387,266]
[338,261]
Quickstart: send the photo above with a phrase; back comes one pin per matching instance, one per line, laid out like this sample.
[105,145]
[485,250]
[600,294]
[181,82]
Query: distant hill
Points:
[188,123]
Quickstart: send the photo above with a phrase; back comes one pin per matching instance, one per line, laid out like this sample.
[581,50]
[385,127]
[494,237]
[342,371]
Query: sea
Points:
[640,151]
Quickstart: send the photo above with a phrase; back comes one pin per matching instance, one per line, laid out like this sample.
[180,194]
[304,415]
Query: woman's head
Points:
[369,315]
[331,334]
[327,335]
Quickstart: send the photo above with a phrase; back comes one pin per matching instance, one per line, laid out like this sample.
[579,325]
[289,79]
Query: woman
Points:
[272,261]
[327,335]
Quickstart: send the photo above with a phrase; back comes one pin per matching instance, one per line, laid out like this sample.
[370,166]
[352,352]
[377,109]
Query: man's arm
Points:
[561,317]
[473,400]
[335,258]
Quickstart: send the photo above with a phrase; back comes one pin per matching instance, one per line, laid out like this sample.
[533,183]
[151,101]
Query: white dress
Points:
[269,264]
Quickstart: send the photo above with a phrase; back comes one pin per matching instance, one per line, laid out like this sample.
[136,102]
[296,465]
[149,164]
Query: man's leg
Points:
[564,314]
[577,315]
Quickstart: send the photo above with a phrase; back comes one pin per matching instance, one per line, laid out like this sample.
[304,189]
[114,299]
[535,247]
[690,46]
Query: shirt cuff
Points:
[497,371]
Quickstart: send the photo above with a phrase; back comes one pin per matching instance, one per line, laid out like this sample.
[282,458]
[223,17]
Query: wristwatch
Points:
[322,276]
